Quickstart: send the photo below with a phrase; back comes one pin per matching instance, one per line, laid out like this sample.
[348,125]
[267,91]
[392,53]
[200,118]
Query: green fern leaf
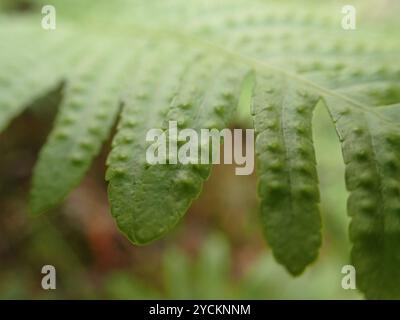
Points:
[36,67]
[152,62]
[371,149]
[288,183]
[133,183]
[91,104]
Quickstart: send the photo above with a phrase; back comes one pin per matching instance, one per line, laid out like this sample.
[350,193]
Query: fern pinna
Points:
[189,62]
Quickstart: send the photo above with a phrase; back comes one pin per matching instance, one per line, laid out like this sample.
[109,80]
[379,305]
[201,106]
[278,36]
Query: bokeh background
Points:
[217,251]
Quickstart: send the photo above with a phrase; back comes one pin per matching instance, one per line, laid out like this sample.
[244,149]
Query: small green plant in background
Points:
[208,277]
[142,64]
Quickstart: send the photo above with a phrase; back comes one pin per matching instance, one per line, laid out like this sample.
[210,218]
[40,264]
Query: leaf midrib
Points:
[323,91]
[256,64]
[250,61]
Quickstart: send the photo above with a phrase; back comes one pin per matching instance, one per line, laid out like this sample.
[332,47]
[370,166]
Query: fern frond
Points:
[91,104]
[288,183]
[29,73]
[138,211]
[371,150]
[171,60]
